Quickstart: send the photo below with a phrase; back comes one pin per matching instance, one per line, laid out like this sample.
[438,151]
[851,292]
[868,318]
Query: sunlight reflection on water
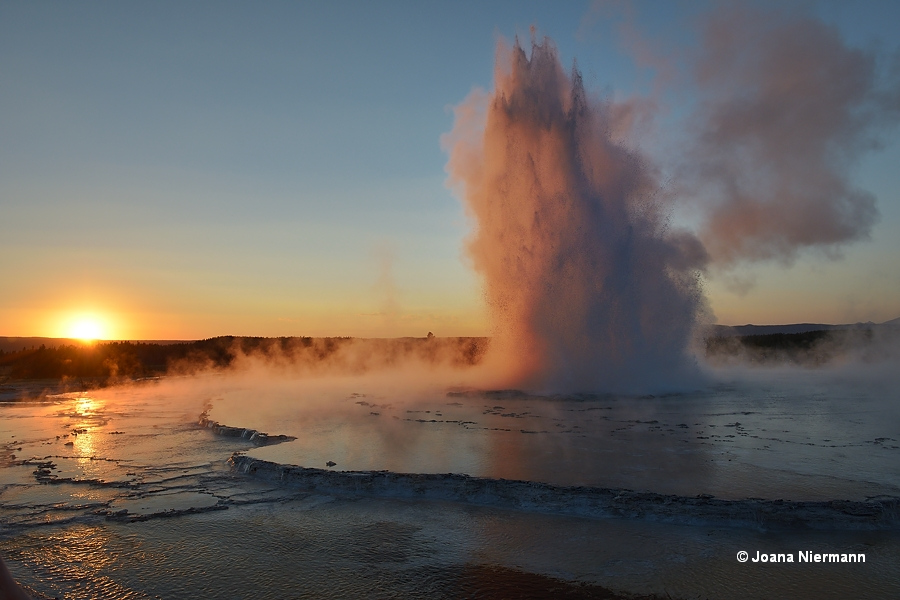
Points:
[74,515]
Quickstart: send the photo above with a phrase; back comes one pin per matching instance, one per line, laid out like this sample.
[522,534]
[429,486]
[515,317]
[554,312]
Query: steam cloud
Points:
[588,288]
[787,109]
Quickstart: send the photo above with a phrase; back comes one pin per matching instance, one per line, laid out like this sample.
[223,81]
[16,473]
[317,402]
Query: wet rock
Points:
[256,437]
[881,513]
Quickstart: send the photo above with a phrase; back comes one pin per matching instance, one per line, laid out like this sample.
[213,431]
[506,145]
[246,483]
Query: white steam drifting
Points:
[787,109]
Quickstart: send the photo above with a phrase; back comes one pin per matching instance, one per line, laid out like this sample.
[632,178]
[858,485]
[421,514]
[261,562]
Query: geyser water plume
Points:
[588,287]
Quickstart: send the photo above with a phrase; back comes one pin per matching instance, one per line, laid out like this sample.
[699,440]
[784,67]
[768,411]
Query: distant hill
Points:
[740,330]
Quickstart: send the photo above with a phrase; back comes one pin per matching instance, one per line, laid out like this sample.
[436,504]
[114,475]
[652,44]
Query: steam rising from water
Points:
[588,287]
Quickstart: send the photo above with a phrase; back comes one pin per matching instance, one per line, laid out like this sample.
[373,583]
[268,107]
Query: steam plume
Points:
[788,109]
[588,288]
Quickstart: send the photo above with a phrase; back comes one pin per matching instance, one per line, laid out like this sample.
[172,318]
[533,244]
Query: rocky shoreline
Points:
[882,513]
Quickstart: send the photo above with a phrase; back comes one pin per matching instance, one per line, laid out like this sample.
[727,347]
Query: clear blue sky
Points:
[192,169]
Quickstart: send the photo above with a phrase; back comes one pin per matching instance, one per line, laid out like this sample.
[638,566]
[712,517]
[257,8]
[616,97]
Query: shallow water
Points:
[119,493]
[329,547]
[795,438]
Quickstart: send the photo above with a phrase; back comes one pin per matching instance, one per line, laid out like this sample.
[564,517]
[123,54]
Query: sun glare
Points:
[87,329]
[86,325]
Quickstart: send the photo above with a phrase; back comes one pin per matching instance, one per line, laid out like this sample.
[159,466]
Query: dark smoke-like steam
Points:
[588,288]
[787,109]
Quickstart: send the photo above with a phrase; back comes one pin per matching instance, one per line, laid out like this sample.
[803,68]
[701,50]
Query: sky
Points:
[174,170]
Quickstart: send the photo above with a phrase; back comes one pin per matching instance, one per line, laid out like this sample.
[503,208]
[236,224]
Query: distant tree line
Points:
[106,361]
[808,349]
[134,360]
[791,347]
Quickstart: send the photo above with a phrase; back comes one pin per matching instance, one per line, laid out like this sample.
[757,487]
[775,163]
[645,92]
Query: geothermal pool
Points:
[146,491]
[794,437]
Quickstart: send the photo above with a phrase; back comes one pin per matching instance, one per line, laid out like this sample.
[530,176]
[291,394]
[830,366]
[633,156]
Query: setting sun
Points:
[87,328]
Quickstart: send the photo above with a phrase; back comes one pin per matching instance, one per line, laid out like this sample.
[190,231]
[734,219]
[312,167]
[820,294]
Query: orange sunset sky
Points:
[168,172]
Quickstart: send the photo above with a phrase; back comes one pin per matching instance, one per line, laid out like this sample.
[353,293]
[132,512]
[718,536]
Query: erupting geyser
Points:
[588,287]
